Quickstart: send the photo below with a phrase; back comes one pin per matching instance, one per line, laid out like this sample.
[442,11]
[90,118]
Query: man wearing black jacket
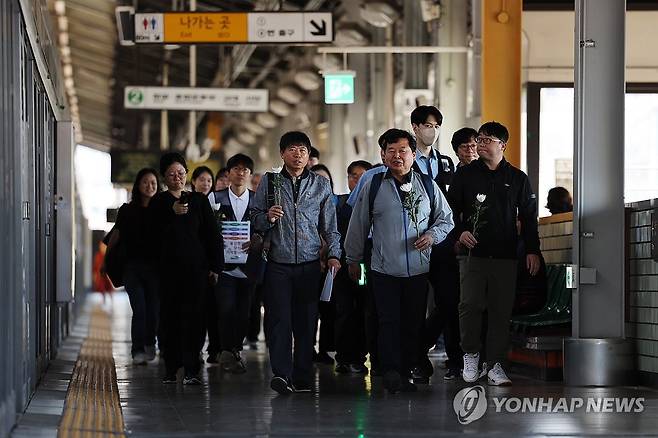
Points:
[487,196]
[236,283]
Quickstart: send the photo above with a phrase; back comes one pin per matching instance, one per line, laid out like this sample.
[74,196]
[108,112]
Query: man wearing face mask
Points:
[426,121]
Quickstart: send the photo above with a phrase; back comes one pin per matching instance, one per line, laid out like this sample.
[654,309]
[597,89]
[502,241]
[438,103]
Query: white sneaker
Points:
[483,370]
[470,372]
[496,376]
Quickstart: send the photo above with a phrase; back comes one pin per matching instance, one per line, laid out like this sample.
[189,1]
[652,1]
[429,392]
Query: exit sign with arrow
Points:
[339,86]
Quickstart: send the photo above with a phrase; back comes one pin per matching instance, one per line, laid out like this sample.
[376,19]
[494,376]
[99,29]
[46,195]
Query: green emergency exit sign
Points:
[339,87]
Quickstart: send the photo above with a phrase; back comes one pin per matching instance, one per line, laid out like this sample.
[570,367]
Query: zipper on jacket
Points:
[295,196]
[406,240]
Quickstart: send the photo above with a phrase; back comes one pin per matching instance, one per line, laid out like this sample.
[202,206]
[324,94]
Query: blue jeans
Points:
[141,283]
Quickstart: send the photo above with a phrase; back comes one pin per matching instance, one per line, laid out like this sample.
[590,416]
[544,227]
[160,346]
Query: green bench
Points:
[557,309]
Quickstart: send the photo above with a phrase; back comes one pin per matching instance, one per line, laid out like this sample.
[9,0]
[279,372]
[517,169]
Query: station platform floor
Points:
[229,405]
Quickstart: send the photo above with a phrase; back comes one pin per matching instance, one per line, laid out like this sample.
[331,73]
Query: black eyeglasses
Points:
[486,140]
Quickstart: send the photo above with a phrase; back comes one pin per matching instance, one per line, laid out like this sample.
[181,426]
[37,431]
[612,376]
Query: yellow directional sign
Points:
[234,27]
[190,27]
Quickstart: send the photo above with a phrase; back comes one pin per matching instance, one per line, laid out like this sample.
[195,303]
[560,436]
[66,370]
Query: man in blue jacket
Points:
[295,208]
[408,214]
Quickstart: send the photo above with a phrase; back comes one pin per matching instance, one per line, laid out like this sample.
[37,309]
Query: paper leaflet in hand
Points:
[235,235]
[328,285]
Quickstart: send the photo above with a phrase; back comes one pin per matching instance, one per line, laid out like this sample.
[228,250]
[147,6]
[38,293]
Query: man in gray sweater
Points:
[407,214]
[294,208]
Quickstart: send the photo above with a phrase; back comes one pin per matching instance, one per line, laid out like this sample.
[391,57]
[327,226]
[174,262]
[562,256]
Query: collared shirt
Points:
[239,203]
[367,176]
[430,162]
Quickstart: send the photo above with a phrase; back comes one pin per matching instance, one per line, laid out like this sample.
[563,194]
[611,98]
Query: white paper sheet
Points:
[328,286]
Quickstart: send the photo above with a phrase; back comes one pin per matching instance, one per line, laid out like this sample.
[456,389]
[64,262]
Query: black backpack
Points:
[376,182]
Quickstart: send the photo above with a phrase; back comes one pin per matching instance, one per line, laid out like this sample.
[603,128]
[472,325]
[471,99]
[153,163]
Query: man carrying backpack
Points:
[408,214]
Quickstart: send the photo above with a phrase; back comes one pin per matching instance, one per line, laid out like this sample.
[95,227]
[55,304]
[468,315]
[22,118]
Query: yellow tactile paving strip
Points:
[92,407]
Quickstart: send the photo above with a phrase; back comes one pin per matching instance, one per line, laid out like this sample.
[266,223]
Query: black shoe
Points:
[301,387]
[407,386]
[281,385]
[323,357]
[343,368]
[452,374]
[169,379]
[392,381]
[192,381]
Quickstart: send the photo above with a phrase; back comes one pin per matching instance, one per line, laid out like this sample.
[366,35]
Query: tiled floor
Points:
[244,406]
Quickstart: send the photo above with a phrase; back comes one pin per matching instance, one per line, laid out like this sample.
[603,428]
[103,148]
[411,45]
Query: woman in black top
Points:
[139,275]
[189,257]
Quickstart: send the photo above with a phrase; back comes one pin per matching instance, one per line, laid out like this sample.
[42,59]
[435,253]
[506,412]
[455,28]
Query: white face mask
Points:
[428,136]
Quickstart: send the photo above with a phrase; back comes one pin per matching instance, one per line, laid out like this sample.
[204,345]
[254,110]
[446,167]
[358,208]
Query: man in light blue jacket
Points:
[408,215]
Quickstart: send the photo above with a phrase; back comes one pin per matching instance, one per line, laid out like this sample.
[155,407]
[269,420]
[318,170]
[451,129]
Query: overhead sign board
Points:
[234,27]
[196,99]
[339,87]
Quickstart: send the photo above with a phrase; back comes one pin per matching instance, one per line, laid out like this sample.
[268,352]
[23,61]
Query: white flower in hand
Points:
[277,169]
[406,187]
[481,198]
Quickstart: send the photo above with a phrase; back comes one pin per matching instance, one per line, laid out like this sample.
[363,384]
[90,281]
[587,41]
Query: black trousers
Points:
[233,296]
[211,324]
[401,305]
[141,283]
[183,292]
[444,318]
[371,321]
[254,313]
[291,310]
[350,300]
[327,321]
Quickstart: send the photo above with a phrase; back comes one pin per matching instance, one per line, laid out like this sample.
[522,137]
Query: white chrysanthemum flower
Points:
[481,198]
[216,206]
[277,169]
[406,187]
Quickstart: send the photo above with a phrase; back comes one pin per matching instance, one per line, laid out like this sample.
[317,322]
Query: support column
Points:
[501,69]
[598,354]
[452,73]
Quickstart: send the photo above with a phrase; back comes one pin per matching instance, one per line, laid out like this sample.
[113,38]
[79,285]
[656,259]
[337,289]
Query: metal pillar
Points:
[598,354]
[192,120]
[452,73]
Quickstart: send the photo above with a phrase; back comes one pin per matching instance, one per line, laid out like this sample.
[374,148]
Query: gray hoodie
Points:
[393,233]
[305,219]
